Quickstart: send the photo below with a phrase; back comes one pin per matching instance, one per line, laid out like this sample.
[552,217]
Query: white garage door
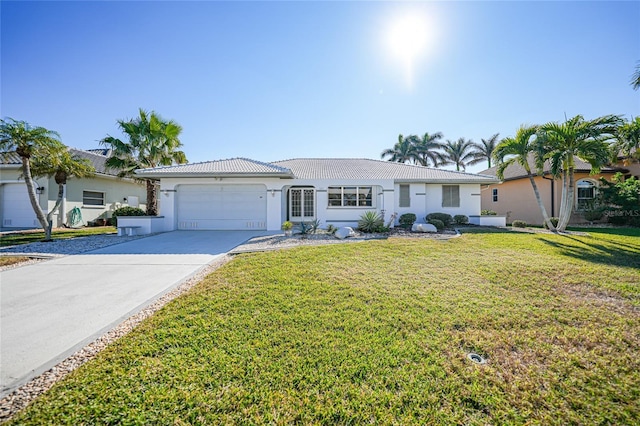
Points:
[224,207]
[16,207]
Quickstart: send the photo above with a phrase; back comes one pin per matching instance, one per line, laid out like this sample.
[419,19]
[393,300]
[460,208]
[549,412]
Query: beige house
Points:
[96,198]
[514,196]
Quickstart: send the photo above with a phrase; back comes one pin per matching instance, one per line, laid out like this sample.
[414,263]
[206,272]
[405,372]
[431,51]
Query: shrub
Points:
[554,222]
[437,223]
[331,229]
[488,213]
[287,226]
[407,219]
[519,224]
[593,214]
[444,217]
[370,221]
[126,211]
[460,219]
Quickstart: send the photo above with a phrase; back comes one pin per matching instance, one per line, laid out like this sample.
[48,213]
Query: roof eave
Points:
[214,175]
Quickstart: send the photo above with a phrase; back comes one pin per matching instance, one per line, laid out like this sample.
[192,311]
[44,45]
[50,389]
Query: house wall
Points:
[115,191]
[517,201]
[425,198]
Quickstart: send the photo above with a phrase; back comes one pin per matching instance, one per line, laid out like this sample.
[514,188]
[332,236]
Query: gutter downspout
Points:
[553,196]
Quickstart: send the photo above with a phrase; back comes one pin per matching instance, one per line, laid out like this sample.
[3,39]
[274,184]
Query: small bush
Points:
[594,214]
[286,226]
[370,221]
[554,222]
[488,213]
[460,219]
[126,211]
[407,219]
[331,229]
[446,218]
[519,224]
[437,223]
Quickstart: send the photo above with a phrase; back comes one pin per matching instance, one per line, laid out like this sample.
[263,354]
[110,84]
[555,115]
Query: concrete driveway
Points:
[51,309]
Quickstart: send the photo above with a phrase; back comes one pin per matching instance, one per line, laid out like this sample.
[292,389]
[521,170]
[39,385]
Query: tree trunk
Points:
[568,210]
[33,198]
[53,210]
[152,201]
[543,209]
[563,198]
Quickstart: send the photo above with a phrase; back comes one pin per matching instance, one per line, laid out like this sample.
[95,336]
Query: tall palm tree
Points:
[460,153]
[403,151]
[27,141]
[426,149]
[60,165]
[485,149]
[518,150]
[576,137]
[152,142]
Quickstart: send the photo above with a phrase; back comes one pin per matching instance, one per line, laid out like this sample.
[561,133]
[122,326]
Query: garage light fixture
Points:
[40,190]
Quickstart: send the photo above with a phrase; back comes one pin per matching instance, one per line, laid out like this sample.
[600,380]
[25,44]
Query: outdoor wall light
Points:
[40,190]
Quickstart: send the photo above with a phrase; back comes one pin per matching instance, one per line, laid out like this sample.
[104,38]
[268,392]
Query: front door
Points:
[302,204]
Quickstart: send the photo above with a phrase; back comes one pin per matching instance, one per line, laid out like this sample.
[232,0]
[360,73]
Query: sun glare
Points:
[407,39]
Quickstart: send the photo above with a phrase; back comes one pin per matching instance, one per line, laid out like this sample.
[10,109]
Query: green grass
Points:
[12,260]
[378,333]
[57,234]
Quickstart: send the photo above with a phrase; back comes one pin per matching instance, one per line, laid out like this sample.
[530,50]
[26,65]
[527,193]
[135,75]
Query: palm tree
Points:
[635,78]
[60,165]
[28,141]
[459,153]
[629,139]
[152,142]
[485,149]
[518,150]
[576,137]
[426,149]
[404,150]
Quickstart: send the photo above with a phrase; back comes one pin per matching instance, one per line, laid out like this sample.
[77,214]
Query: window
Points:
[450,195]
[586,193]
[301,204]
[495,195]
[93,198]
[405,199]
[350,196]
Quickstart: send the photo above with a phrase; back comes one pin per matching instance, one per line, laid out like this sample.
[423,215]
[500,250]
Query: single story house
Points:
[240,193]
[514,196]
[96,197]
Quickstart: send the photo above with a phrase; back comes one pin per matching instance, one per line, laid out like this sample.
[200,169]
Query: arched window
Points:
[586,193]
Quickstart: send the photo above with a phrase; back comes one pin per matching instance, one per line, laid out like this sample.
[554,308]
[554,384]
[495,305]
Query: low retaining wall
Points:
[147,224]
[488,220]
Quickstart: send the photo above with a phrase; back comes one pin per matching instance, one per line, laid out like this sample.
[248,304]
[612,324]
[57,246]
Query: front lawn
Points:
[26,237]
[378,333]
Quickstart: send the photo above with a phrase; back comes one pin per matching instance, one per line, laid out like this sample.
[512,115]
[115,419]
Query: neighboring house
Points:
[96,197]
[514,196]
[241,193]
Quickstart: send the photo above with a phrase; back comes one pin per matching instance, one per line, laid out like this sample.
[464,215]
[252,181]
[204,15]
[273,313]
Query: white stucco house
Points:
[242,194]
[96,197]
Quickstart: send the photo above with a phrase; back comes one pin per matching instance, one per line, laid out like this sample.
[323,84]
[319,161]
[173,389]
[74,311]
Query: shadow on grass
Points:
[482,230]
[626,232]
[612,253]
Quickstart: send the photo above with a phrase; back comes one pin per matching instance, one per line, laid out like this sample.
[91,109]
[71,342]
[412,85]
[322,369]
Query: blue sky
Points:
[277,80]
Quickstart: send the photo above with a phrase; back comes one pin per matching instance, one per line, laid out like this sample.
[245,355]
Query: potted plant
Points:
[287,227]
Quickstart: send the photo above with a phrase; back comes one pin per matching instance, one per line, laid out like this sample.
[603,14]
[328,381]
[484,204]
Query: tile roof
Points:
[516,171]
[228,167]
[364,168]
[98,161]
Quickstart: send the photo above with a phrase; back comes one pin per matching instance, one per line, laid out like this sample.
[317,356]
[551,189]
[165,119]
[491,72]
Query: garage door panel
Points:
[228,207]
[17,211]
